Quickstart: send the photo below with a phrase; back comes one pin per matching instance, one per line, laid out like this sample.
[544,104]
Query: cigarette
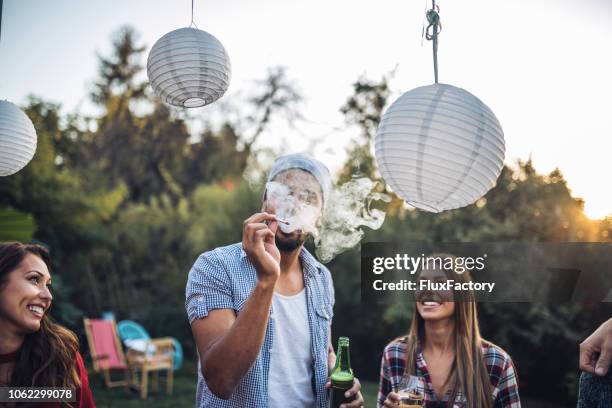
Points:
[282,221]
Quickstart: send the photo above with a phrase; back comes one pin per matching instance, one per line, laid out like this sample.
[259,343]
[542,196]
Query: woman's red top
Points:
[84,397]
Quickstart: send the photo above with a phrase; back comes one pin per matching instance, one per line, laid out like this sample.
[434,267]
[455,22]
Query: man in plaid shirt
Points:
[498,363]
[261,310]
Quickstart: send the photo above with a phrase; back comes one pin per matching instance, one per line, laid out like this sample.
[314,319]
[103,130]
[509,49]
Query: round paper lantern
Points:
[439,147]
[188,68]
[17,139]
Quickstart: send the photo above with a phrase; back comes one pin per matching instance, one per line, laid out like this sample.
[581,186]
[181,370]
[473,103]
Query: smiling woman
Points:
[444,348]
[35,351]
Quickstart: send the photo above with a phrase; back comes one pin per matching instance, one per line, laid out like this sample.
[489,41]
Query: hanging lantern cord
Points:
[0,18]
[432,31]
[192,24]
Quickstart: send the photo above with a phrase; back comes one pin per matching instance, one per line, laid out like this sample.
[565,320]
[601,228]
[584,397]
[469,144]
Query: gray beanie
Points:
[303,161]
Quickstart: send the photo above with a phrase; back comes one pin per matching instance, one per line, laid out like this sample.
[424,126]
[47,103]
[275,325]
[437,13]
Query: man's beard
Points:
[289,244]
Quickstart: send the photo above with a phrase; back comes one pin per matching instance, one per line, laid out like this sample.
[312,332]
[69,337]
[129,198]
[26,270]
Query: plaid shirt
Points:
[223,279]
[498,363]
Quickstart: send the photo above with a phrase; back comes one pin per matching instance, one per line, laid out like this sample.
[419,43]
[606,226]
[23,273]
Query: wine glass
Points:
[411,391]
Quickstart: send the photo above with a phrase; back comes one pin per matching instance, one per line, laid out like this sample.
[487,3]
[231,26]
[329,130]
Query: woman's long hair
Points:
[468,369]
[47,357]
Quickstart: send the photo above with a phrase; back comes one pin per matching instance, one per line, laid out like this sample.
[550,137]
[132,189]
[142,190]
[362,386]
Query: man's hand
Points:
[258,243]
[596,350]
[392,400]
[353,394]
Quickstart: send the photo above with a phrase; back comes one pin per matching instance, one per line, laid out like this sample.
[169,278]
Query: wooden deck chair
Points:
[156,355]
[107,354]
[106,351]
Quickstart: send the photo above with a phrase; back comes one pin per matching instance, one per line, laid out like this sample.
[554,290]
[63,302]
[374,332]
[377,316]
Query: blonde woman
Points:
[444,347]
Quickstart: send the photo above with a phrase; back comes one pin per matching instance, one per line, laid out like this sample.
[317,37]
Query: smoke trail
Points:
[348,210]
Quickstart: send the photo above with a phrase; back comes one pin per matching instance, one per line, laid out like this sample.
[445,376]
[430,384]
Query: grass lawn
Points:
[183,394]
[369,391]
[185,388]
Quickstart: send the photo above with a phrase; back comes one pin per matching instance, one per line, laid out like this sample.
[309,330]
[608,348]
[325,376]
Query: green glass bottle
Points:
[342,375]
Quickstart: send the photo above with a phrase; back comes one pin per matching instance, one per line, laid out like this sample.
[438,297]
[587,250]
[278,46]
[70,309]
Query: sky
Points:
[542,66]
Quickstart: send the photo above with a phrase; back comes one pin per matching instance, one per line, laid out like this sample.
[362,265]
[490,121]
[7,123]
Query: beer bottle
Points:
[342,374]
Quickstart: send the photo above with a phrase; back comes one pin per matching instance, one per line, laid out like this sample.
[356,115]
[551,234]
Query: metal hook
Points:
[435,27]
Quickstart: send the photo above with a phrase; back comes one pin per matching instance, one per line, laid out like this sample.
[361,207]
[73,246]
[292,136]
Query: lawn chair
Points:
[130,330]
[155,356]
[106,351]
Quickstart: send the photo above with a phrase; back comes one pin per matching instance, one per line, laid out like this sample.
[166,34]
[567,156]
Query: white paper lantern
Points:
[17,139]
[439,147]
[188,68]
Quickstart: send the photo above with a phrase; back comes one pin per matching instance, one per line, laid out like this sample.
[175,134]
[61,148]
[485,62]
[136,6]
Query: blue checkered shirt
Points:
[223,279]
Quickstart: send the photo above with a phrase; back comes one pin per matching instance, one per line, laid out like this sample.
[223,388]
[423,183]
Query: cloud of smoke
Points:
[348,210]
[292,208]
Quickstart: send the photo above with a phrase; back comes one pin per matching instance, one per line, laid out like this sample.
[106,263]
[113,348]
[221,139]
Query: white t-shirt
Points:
[290,379]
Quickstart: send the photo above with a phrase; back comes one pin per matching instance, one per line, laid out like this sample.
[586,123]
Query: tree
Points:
[145,152]
[276,94]
[118,72]
[364,109]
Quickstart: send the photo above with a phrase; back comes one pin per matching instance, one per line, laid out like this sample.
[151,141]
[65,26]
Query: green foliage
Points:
[216,157]
[15,225]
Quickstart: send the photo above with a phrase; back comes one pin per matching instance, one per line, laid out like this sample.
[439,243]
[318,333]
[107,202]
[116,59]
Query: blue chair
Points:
[130,330]
[108,316]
